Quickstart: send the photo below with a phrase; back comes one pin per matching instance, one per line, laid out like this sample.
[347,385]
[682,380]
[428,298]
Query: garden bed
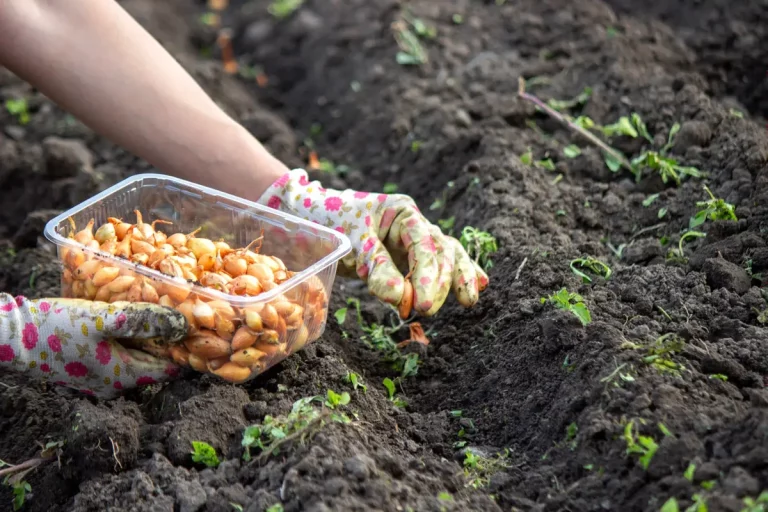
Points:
[515,404]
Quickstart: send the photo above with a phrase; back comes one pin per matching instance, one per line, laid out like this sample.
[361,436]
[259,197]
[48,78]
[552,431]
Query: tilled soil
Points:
[552,397]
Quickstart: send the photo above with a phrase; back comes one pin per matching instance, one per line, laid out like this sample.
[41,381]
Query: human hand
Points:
[73,342]
[387,232]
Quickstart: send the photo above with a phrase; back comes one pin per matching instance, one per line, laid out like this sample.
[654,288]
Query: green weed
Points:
[480,245]
[334,400]
[281,9]
[389,384]
[479,470]
[659,353]
[678,254]
[379,337]
[591,264]
[759,504]
[408,31]
[203,453]
[571,151]
[546,163]
[356,381]
[579,100]
[667,167]
[301,422]
[18,108]
[572,302]
[713,209]
[643,446]
[670,138]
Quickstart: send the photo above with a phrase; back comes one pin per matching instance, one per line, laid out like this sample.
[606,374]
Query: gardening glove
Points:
[72,342]
[386,231]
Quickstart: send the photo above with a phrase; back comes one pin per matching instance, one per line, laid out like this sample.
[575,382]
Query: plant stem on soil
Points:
[578,129]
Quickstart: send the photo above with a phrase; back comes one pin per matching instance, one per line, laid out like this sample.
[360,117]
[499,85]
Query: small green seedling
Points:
[447,224]
[571,151]
[356,381]
[281,9]
[546,163]
[644,446]
[203,453]
[572,302]
[659,353]
[736,113]
[389,384]
[299,424]
[689,472]
[667,167]
[480,245]
[759,504]
[379,337]
[407,31]
[277,507]
[390,188]
[334,400]
[570,435]
[678,254]
[621,127]
[670,139]
[648,201]
[641,128]
[713,209]
[719,376]
[593,265]
[479,470]
[18,108]
[20,491]
[579,100]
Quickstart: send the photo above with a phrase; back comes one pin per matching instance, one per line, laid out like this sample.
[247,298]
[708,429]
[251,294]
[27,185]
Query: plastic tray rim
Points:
[344,247]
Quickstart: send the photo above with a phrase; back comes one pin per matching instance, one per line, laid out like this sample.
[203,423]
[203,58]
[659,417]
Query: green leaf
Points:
[547,164]
[612,162]
[670,506]
[662,212]
[571,151]
[582,313]
[648,201]
[390,387]
[203,453]
[641,128]
[671,138]
[457,413]
[341,315]
[390,188]
[622,127]
[411,365]
[690,471]
[445,496]
[584,122]
[406,59]
[527,157]
[698,219]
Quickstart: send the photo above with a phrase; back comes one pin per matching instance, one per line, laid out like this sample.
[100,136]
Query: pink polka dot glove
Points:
[387,232]
[71,342]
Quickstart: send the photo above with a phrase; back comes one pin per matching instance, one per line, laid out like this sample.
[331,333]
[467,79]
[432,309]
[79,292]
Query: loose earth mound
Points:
[514,404]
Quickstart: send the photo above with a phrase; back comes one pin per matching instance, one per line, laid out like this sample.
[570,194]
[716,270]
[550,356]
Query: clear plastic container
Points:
[263,329]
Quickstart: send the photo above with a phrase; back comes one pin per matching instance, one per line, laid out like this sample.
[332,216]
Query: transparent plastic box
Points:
[250,333]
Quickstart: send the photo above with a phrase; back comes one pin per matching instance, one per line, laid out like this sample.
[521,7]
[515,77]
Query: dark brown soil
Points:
[527,377]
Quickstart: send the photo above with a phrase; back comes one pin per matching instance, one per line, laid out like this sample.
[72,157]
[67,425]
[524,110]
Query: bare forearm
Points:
[98,63]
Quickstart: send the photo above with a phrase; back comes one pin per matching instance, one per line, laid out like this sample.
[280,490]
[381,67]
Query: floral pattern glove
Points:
[387,231]
[72,342]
